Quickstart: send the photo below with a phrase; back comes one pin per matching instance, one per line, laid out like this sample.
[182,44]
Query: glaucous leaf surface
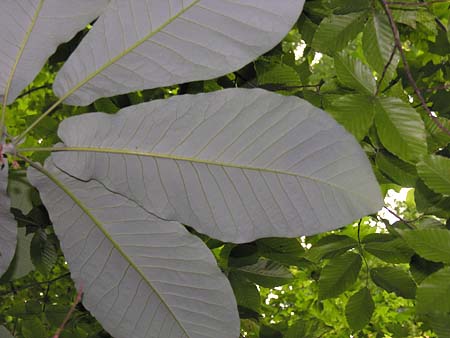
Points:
[31,31]
[8,226]
[141,276]
[236,164]
[146,44]
[4,333]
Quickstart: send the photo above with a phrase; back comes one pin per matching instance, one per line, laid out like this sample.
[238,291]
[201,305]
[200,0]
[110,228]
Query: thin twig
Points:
[15,290]
[411,80]
[28,92]
[69,314]
[440,87]
[401,219]
[415,4]
[386,66]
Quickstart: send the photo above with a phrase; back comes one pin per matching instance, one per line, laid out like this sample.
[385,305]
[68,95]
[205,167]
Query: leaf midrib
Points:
[128,50]
[99,225]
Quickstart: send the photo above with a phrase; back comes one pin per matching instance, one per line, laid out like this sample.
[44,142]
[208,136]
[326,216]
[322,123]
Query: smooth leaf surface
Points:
[399,172]
[394,279]
[236,164]
[31,32]
[359,309]
[339,275]
[435,172]
[147,44]
[8,226]
[141,276]
[352,73]
[355,112]
[378,41]
[336,31]
[4,333]
[433,294]
[431,244]
[267,273]
[400,128]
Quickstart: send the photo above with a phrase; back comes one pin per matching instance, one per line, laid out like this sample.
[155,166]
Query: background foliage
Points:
[387,275]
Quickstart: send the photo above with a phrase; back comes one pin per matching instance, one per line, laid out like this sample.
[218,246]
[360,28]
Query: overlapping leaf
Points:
[31,31]
[141,276]
[435,172]
[147,44]
[8,226]
[236,164]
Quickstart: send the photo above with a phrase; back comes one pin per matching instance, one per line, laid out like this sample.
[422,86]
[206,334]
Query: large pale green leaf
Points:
[4,333]
[31,31]
[400,128]
[8,226]
[336,31]
[235,164]
[141,276]
[435,172]
[145,44]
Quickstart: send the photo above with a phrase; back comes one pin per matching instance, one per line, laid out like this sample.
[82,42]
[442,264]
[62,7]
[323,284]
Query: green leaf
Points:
[272,71]
[33,328]
[388,248]
[352,73]
[439,322]
[330,246]
[394,279]
[43,252]
[400,128]
[433,294]
[347,6]
[339,275]
[399,172]
[266,273]
[435,172]
[246,293]
[283,250]
[378,42]
[336,31]
[431,244]
[359,309]
[354,111]
[421,268]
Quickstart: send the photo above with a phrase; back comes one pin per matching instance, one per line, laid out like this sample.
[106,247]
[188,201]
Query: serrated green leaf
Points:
[339,275]
[433,294]
[431,244]
[352,73]
[335,31]
[354,111]
[439,323]
[359,309]
[399,172]
[378,42]
[275,72]
[267,273]
[435,172]
[330,246]
[283,250]
[400,128]
[393,279]
[43,252]
[346,6]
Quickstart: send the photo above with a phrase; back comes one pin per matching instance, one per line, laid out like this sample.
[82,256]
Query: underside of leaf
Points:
[145,44]
[235,164]
[141,276]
